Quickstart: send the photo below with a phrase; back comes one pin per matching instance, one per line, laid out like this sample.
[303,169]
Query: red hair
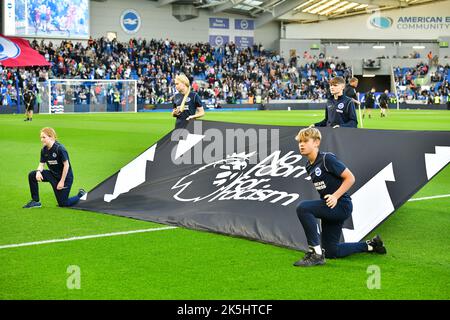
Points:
[49,132]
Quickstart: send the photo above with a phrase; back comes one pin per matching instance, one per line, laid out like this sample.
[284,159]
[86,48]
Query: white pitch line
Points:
[84,237]
[428,198]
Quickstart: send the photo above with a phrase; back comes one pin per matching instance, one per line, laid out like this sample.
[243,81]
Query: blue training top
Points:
[325,173]
[340,111]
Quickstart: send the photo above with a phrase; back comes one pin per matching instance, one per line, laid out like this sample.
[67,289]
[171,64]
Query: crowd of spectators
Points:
[224,74]
[413,84]
[227,73]
[440,87]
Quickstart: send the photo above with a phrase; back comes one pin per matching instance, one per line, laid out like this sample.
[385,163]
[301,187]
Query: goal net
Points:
[79,95]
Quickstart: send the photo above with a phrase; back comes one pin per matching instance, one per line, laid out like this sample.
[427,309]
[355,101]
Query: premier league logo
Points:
[8,49]
[130,21]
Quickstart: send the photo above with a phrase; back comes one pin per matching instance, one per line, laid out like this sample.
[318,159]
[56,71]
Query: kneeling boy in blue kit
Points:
[332,180]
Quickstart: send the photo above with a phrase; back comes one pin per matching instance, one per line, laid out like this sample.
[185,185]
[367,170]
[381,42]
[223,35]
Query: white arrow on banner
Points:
[132,175]
[371,205]
[436,161]
[185,145]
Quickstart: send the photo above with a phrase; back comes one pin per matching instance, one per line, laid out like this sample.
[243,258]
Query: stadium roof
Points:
[298,11]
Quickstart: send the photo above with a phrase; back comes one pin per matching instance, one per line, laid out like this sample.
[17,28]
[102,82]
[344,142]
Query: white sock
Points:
[318,249]
[369,247]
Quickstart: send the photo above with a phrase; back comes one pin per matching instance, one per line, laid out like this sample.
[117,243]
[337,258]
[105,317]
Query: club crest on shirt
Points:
[340,105]
[54,155]
[317,171]
[179,101]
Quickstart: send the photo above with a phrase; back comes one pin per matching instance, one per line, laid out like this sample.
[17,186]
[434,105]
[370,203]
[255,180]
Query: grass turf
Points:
[187,264]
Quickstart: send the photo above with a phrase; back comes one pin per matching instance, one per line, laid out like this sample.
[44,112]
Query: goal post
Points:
[91,95]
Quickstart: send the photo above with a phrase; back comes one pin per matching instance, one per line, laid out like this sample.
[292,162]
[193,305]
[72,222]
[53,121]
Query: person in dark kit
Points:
[28,99]
[332,179]
[340,110]
[60,174]
[187,105]
[369,103]
[350,90]
[384,102]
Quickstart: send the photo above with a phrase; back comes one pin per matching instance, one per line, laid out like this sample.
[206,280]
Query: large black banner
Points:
[246,180]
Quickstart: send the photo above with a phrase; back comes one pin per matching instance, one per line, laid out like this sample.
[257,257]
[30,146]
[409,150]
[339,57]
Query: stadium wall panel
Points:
[159,23]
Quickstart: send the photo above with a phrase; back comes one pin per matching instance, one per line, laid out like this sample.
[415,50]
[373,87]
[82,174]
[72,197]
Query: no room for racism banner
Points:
[246,180]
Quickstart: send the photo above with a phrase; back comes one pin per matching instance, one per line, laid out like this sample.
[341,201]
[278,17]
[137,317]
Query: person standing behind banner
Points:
[340,110]
[384,100]
[332,180]
[187,104]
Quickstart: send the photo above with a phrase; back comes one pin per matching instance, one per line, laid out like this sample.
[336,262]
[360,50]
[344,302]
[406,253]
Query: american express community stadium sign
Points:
[423,23]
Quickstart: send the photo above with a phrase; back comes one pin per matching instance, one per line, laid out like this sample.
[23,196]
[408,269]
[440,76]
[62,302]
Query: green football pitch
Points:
[180,263]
